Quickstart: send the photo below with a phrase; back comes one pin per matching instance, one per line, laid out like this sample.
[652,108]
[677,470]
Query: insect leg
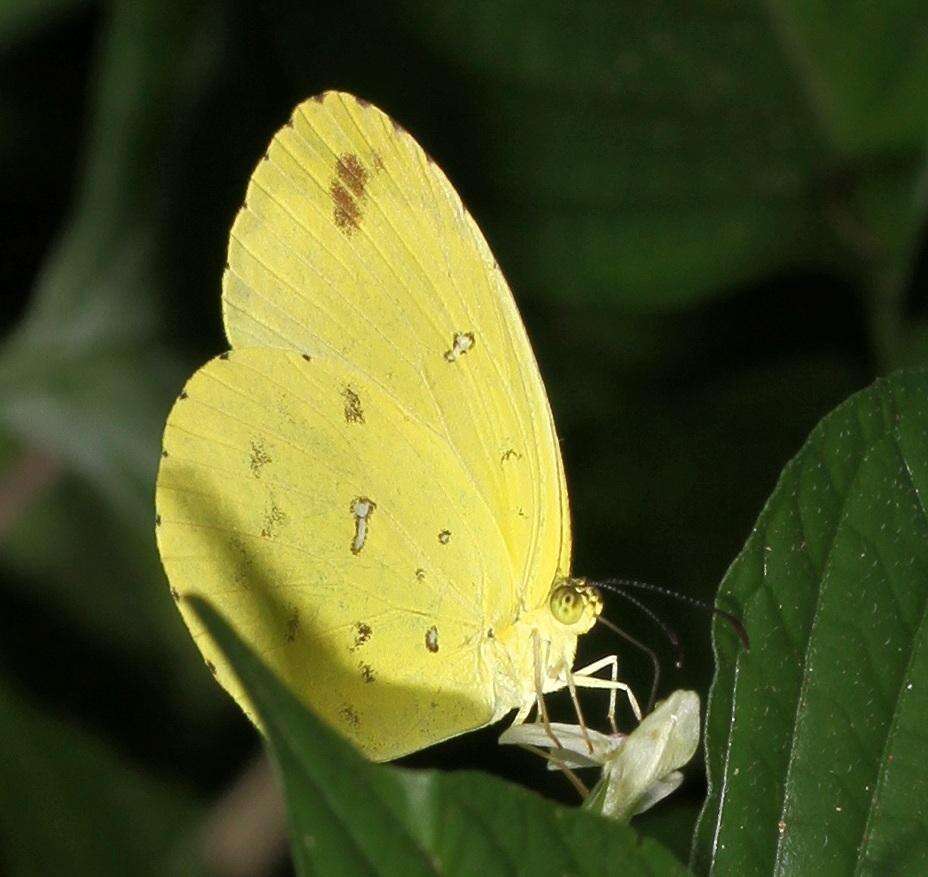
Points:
[582,679]
[539,689]
[580,720]
[523,712]
[611,661]
[575,781]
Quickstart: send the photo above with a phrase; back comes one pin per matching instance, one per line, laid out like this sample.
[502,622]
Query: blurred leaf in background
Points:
[85,379]
[665,155]
[70,805]
[86,375]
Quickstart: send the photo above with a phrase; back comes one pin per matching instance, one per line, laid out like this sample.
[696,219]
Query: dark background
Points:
[711,218]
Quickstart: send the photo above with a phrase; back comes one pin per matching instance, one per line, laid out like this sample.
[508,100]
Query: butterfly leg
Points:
[523,712]
[575,781]
[539,688]
[583,679]
[572,688]
[611,661]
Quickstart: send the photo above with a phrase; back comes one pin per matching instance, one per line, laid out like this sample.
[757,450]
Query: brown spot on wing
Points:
[367,672]
[243,561]
[431,639]
[362,633]
[346,212]
[353,410]
[347,190]
[293,625]
[461,342]
[350,716]
[272,521]
[352,173]
[258,459]
[362,509]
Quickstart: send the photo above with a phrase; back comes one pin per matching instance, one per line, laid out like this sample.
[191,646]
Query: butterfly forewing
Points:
[353,243]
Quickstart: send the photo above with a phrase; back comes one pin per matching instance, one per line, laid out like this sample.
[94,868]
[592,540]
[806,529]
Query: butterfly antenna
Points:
[668,631]
[615,585]
[640,645]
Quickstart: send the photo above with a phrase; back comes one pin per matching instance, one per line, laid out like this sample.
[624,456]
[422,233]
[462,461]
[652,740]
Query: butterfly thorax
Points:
[571,609]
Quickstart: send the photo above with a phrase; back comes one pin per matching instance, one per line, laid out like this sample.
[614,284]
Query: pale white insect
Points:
[638,769]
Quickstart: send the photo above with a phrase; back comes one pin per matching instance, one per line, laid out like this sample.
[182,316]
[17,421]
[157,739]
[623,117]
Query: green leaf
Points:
[672,823]
[657,154]
[348,816]
[815,739]
[70,805]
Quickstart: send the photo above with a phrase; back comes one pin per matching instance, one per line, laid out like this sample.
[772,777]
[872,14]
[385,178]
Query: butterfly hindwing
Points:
[295,498]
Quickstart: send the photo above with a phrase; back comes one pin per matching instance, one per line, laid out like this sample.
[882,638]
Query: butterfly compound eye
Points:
[567,604]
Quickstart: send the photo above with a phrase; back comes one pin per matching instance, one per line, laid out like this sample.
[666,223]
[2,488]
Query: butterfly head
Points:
[576,604]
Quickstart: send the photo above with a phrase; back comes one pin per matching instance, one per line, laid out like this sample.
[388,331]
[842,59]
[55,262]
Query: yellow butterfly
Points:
[368,484]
